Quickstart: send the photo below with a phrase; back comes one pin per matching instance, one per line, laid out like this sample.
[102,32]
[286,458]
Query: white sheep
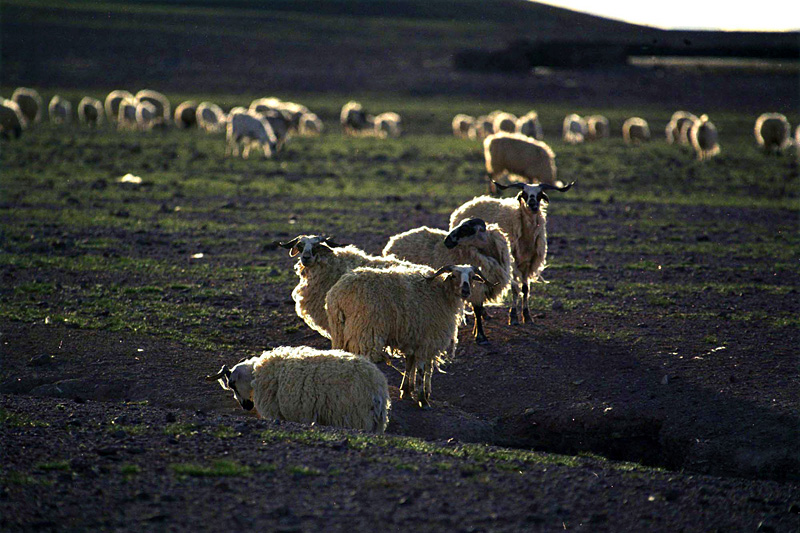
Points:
[186,114]
[504,122]
[704,138]
[113,101]
[251,130]
[161,103]
[519,155]
[461,125]
[773,132]
[677,130]
[322,262]
[210,117]
[574,129]
[481,128]
[90,111]
[472,242]
[597,128]
[635,130]
[59,110]
[311,386]
[147,116]
[524,220]
[412,310]
[388,124]
[30,103]
[12,119]
[310,125]
[354,119]
[126,114]
[530,126]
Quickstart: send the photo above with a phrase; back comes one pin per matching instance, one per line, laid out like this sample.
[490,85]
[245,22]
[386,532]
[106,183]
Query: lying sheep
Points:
[461,125]
[249,129]
[90,111]
[186,114]
[322,262]
[30,103]
[574,129]
[412,310]
[472,243]
[126,114]
[310,125]
[635,130]
[60,110]
[147,116]
[773,132]
[677,129]
[354,119]
[113,101]
[704,138]
[388,124]
[481,128]
[520,155]
[504,122]
[12,119]
[523,219]
[210,117]
[597,128]
[160,102]
[311,386]
[530,126]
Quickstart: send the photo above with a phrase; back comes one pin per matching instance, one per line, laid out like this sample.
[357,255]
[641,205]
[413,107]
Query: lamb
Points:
[90,111]
[523,220]
[517,154]
[161,103]
[481,128]
[773,132]
[677,129]
[147,116]
[635,130]
[530,126]
[353,118]
[126,114]
[412,310]
[705,139]
[113,101]
[12,119]
[322,262]
[250,129]
[186,114]
[472,242]
[310,125]
[30,103]
[574,129]
[210,117]
[598,128]
[504,122]
[307,385]
[388,125]
[60,110]
[461,125]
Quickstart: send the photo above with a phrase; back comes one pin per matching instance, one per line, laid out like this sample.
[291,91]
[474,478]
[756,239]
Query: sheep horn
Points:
[479,277]
[446,268]
[330,242]
[288,245]
[224,371]
[509,186]
[548,187]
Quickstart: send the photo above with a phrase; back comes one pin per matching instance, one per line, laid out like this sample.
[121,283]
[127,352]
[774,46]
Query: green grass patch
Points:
[220,468]
[60,466]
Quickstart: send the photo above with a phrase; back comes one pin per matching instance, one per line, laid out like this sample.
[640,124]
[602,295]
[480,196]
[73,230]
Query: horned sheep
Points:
[388,124]
[311,386]
[520,155]
[90,111]
[597,128]
[249,129]
[60,110]
[524,220]
[574,129]
[704,138]
[186,114]
[412,310]
[30,103]
[12,119]
[461,125]
[530,126]
[160,102]
[472,242]
[113,102]
[635,130]
[773,132]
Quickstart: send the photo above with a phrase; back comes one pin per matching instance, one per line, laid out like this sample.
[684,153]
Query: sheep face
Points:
[460,278]
[311,248]
[532,195]
[470,230]
[239,380]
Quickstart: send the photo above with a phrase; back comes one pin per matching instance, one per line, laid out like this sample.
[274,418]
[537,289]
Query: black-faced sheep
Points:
[210,117]
[504,122]
[773,132]
[597,128]
[354,119]
[530,126]
[388,124]
[635,130]
[704,138]
[160,102]
[30,103]
[678,127]
[461,125]
[186,114]
[113,102]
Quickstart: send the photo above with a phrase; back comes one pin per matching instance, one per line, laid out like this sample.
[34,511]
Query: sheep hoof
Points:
[481,340]
[513,320]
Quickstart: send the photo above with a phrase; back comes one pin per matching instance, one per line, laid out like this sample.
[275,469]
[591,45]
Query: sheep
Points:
[126,114]
[60,110]
[412,310]
[30,103]
[530,126]
[294,113]
[310,125]
[12,119]
[523,220]
[635,130]
[461,125]
[186,114]
[311,386]
[113,101]
[161,103]
[597,128]
[90,111]
[520,155]
[210,117]
[147,116]
[504,122]
[481,128]
[353,118]
[250,129]
[704,138]
[677,130]
[472,242]
[574,129]
[322,262]
[388,124]
[773,132]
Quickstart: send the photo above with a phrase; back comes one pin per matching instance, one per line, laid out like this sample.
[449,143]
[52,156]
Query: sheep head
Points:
[239,380]
[311,247]
[470,229]
[460,277]
[533,194]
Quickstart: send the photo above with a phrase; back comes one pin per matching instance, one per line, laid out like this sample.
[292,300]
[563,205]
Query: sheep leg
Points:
[513,318]
[477,331]
[425,392]
[526,314]
[408,384]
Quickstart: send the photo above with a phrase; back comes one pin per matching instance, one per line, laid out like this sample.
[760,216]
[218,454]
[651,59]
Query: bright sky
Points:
[759,15]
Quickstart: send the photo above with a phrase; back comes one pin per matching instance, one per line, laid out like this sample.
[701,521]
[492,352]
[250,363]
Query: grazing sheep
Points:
[250,129]
[322,262]
[90,111]
[113,101]
[161,103]
[773,132]
[60,110]
[461,125]
[635,130]
[210,117]
[354,119]
[12,119]
[705,139]
[310,125]
[574,129]
[30,103]
[520,155]
[126,114]
[388,125]
[311,386]
[472,243]
[597,128]
[280,124]
[504,122]
[523,220]
[186,114]
[530,126]
[677,129]
[481,128]
[294,113]
[409,309]
[147,116]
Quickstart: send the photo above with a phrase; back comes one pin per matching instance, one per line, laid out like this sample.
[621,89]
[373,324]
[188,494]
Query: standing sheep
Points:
[677,129]
[705,139]
[126,114]
[461,125]
[773,132]
[481,128]
[388,125]
[472,243]
[113,101]
[30,103]
[210,117]
[90,111]
[530,126]
[635,130]
[353,118]
[186,114]
[409,309]
[161,103]
[310,386]
[60,110]
[597,128]
[520,155]
[147,116]
[504,122]
[524,221]
[12,119]
[249,129]
[574,129]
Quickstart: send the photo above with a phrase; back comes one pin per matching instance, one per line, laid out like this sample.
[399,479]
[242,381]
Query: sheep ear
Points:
[545,197]
[294,251]
[221,376]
